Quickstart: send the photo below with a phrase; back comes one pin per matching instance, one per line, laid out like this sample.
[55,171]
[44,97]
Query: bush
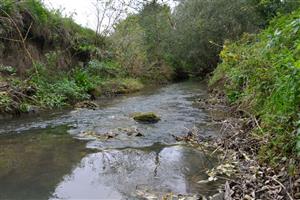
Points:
[262,74]
[105,69]
[5,102]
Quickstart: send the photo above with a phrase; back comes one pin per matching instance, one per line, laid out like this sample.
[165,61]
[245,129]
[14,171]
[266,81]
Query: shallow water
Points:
[62,155]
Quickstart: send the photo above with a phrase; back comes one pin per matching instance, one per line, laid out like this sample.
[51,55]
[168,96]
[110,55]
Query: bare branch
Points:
[9,39]
[25,38]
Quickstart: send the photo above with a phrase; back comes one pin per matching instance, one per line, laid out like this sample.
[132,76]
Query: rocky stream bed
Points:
[103,153]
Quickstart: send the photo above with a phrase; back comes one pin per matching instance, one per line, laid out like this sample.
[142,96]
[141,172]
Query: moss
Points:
[118,86]
[148,117]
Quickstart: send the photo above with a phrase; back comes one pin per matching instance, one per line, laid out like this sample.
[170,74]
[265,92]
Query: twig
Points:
[253,118]
[25,38]
[227,195]
[274,179]
[9,39]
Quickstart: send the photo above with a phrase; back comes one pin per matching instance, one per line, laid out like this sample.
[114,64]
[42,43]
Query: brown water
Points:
[50,156]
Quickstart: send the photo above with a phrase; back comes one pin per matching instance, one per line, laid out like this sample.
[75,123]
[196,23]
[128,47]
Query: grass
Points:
[261,74]
[56,90]
[96,79]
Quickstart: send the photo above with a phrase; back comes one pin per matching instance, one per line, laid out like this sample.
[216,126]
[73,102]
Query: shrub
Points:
[105,69]
[262,74]
[5,102]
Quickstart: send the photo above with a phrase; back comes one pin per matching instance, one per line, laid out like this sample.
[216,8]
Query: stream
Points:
[63,154]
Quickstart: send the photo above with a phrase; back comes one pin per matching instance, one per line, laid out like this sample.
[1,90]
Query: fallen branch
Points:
[288,194]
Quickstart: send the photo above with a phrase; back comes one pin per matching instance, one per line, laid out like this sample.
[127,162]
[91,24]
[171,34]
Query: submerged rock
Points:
[86,104]
[111,135]
[98,136]
[139,135]
[131,131]
[149,117]
[152,195]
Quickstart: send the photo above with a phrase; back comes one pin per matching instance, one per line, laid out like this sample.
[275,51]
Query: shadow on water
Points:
[48,157]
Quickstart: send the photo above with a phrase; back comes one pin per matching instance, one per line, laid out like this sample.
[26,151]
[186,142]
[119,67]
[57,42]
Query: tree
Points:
[141,39]
[203,26]
[108,13]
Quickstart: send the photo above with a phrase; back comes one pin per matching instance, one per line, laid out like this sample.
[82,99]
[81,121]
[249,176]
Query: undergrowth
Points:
[76,85]
[55,90]
[76,66]
[261,74]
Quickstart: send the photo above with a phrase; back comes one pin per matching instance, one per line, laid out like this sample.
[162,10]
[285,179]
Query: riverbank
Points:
[48,61]
[239,148]
[33,95]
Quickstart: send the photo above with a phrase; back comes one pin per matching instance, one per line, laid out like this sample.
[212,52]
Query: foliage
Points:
[58,79]
[140,42]
[7,69]
[271,8]
[191,38]
[59,89]
[261,73]
[64,88]
[128,45]
[201,28]
[5,101]
[106,68]
[118,86]
[7,6]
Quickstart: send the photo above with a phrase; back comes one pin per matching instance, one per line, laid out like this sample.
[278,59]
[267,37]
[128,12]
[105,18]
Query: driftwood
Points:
[227,195]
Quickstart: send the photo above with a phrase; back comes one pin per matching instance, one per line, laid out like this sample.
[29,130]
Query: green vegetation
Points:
[156,43]
[141,41]
[56,89]
[201,28]
[261,73]
[69,63]
[50,27]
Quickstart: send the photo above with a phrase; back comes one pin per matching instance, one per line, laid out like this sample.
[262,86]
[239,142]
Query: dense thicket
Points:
[141,43]
[268,9]
[190,38]
[261,74]
[201,28]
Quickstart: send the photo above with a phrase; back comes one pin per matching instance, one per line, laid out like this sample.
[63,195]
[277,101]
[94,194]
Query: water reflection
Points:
[41,160]
[32,164]
[120,174]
